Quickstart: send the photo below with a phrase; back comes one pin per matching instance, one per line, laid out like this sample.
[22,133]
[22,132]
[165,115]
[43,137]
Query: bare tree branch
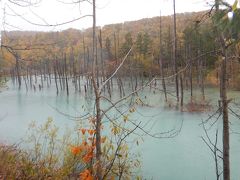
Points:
[49,25]
[25,3]
[115,72]
[117,149]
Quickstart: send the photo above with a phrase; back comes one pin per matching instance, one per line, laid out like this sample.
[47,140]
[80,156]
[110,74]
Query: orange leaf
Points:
[83,131]
[91,131]
[86,175]
[87,158]
[76,150]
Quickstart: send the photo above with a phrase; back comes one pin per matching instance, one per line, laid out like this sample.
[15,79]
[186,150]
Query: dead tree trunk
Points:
[55,76]
[191,76]
[161,62]
[41,75]
[202,79]
[181,88]
[65,72]
[18,71]
[101,57]
[224,100]
[115,47]
[97,100]
[175,51]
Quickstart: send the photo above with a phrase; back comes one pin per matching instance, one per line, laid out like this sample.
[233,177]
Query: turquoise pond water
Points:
[184,157]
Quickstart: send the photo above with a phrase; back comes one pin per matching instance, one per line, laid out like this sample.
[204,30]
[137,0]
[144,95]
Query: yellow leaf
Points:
[234,7]
[132,110]
[115,130]
[125,118]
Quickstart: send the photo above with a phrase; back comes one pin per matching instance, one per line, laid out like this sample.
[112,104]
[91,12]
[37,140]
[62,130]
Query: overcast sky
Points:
[108,11]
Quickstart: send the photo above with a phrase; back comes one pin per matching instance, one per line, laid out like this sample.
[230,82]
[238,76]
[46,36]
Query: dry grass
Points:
[198,106]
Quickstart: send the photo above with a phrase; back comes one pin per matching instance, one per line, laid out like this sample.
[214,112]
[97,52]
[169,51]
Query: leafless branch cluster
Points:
[25,3]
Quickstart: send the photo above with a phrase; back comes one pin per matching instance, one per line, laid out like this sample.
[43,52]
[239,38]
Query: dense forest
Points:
[174,54]
[41,52]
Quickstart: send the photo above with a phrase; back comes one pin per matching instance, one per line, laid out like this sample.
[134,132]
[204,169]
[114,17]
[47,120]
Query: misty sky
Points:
[108,11]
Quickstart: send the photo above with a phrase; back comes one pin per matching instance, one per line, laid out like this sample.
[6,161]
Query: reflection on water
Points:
[184,157]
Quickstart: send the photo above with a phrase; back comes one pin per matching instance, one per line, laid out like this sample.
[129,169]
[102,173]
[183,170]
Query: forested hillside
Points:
[195,37]
[145,46]
[114,41]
